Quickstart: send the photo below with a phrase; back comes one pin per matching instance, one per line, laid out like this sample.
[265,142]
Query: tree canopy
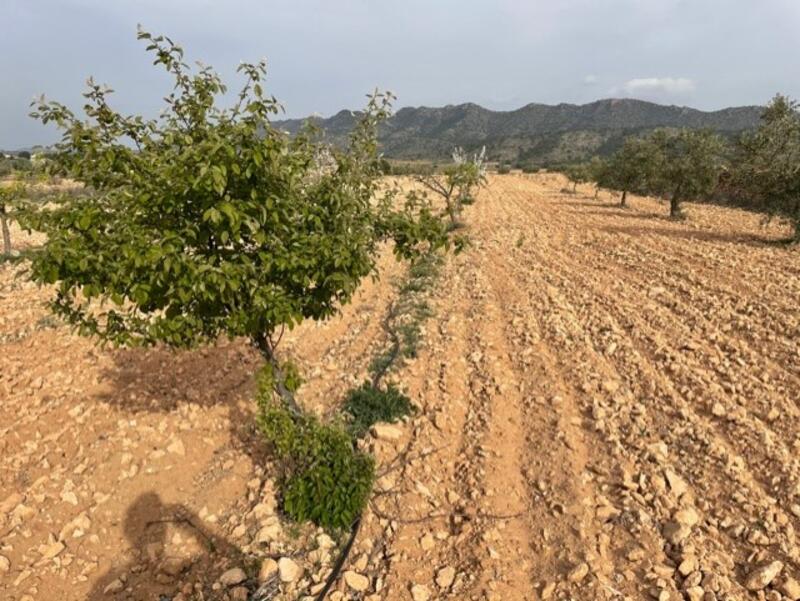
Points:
[630,168]
[685,164]
[208,220]
[767,166]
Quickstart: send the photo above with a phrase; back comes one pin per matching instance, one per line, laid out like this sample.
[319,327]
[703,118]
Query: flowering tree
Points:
[458,182]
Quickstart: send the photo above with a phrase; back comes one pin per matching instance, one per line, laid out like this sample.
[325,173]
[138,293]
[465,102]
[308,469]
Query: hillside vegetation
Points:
[534,135]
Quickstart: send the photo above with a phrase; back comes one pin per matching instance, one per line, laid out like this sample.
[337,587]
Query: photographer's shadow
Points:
[151,526]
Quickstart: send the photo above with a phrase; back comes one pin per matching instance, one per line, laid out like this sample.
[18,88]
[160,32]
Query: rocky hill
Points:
[536,134]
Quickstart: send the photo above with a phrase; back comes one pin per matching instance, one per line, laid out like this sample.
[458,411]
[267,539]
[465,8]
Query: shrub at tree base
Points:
[368,405]
[325,479]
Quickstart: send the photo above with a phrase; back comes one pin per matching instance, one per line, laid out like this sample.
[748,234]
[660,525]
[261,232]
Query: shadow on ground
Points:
[148,523]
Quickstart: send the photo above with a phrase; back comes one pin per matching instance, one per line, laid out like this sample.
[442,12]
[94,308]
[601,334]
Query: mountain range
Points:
[532,136]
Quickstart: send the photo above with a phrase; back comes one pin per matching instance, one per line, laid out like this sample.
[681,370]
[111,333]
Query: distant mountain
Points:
[536,134]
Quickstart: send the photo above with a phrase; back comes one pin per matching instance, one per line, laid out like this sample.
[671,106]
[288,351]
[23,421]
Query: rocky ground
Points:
[608,411]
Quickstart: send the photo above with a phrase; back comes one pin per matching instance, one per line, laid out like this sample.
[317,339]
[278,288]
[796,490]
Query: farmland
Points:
[606,409]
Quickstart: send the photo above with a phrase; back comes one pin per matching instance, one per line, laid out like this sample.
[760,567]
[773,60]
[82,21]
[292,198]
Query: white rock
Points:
[420,592]
[386,432]
[176,447]
[114,586]
[233,577]
[268,567]
[760,577]
[445,577]
[288,570]
[356,581]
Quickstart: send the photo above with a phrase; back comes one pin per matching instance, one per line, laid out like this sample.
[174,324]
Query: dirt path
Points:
[608,410]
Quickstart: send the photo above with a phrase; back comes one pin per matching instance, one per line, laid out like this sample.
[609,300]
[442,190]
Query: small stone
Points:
[288,570]
[69,497]
[760,577]
[676,532]
[694,593]
[548,590]
[176,447]
[718,409]
[268,567]
[426,542]
[687,516]
[52,550]
[114,586]
[171,566]
[5,564]
[578,573]
[269,533]
[233,577]
[790,588]
[240,593]
[356,581]
[445,577]
[10,502]
[386,432]
[420,592]
[676,483]
[688,565]
[325,542]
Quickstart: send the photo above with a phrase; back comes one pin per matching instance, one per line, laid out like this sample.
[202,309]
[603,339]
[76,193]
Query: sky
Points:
[326,55]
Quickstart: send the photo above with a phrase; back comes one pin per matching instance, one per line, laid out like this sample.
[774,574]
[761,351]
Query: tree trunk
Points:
[574,187]
[624,200]
[267,351]
[6,232]
[596,192]
[675,206]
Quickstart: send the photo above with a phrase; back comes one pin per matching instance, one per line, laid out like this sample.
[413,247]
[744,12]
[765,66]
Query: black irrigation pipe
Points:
[337,568]
[391,315]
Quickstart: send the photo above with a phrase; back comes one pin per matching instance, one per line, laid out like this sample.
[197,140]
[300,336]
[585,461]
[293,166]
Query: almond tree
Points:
[458,183]
[209,221]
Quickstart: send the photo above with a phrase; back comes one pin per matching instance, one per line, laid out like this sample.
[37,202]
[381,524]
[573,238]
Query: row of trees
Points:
[761,168]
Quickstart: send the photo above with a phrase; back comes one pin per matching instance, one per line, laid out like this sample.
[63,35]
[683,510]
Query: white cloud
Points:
[648,86]
[590,80]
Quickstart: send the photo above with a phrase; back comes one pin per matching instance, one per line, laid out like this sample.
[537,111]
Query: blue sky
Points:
[325,55]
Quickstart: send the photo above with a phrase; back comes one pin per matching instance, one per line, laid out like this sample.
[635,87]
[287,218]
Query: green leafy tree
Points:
[630,168]
[767,165]
[459,182]
[209,221]
[686,165]
[596,170]
[577,174]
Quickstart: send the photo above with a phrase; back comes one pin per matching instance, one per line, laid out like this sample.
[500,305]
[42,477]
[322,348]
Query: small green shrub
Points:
[325,479]
[368,405]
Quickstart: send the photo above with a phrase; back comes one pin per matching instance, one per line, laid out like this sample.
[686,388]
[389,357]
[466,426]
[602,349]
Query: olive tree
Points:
[458,182]
[685,164]
[209,221]
[630,168]
[596,170]
[577,173]
[768,162]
